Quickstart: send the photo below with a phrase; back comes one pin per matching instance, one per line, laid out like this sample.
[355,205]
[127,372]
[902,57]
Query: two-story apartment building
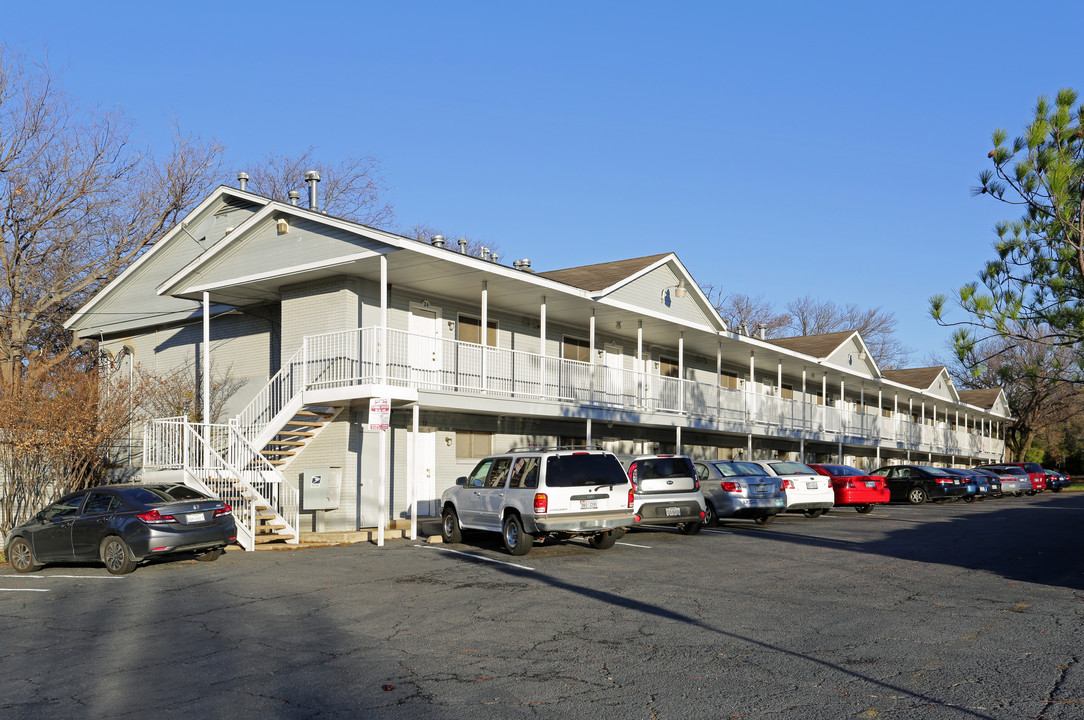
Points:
[318,316]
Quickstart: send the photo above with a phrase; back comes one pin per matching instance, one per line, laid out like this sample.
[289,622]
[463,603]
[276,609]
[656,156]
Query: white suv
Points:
[537,492]
[667,492]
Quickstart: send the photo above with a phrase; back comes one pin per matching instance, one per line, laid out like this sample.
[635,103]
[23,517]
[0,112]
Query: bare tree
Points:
[746,314]
[77,204]
[179,392]
[877,327]
[425,233]
[350,189]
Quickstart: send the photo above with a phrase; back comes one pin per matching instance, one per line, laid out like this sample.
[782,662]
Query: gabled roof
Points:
[600,276]
[818,346]
[915,377]
[985,398]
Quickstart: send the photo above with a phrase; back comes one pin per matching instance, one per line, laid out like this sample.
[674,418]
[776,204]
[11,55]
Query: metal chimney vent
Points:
[485,253]
[493,257]
[463,246]
[312,177]
[242,179]
[437,241]
[294,197]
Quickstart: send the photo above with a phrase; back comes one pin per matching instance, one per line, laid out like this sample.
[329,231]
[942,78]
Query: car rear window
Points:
[670,467]
[842,470]
[733,469]
[792,468]
[1033,467]
[584,470]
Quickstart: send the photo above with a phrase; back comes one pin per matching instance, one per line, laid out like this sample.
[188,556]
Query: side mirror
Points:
[461,481]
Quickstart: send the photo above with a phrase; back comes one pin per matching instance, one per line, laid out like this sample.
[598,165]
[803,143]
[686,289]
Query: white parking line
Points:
[77,577]
[648,547]
[717,532]
[472,555]
[25,590]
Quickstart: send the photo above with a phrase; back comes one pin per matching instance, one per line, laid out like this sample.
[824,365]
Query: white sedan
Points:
[806,490]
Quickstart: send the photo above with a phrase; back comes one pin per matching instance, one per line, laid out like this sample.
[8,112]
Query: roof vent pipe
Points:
[437,241]
[493,257]
[463,246]
[294,197]
[525,264]
[312,177]
[242,179]
[485,253]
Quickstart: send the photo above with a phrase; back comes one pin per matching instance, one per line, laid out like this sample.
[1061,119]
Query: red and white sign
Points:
[379,413]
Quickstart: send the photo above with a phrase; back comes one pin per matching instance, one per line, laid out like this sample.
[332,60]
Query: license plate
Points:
[673,511]
[588,504]
[194,517]
[811,486]
[871,483]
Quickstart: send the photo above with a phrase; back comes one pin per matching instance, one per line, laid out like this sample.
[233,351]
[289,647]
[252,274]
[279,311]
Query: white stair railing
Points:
[225,466]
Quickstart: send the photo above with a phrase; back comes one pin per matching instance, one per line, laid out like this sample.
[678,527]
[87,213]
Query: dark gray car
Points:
[123,526]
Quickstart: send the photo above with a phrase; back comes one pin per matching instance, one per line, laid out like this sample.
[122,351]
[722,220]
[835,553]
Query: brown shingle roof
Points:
[921,378]
[984,398]
[602,275]
[818,346]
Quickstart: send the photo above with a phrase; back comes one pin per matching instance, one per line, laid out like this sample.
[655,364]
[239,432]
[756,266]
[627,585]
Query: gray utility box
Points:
[320,488]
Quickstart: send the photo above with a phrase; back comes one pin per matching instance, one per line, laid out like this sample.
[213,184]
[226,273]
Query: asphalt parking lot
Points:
[940,611]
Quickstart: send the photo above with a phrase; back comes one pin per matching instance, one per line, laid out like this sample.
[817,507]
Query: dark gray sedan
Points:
[123,526]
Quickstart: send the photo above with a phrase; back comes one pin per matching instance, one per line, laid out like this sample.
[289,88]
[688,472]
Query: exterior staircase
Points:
[297,432]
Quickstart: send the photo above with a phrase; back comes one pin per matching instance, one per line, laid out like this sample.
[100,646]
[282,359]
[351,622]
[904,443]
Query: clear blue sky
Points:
[781,149]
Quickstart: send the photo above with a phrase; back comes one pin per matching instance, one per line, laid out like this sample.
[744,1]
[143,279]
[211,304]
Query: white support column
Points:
[588,439]
[383,335]
[677,439]
[206,414]
[718,381]
[779,377]
[750,446]
[485,333]
[681,372]
[591,357]
[749,393]
[412,473]
[382,490]
[805,406]
[641,369]
[542,346]
[839,452]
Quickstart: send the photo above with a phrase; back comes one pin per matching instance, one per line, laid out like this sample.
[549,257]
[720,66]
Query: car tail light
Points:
[848,484]
[696,484]
[154,517]
[786,484]
[637,518]
[943,481]
[730,486]
[632,501]
[632,476]
[224,510]
[542,503]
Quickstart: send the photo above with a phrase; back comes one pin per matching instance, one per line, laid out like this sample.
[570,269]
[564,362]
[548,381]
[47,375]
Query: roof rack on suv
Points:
[551,448]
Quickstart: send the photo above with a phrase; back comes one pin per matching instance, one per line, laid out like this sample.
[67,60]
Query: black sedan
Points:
[123,526]
[918,483]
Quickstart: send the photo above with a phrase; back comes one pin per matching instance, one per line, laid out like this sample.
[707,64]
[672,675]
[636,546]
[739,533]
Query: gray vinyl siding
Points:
[647,291]
[847,357]
[136,301]
[265,251]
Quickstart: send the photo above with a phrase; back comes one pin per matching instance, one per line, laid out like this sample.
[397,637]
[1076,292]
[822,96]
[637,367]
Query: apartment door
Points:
[424,352]
[422,447]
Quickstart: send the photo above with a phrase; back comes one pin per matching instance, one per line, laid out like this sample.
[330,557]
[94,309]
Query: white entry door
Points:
[425,346]
[422,448]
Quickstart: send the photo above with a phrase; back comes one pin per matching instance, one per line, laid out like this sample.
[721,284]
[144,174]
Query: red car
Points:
[1035,472]
[853,487]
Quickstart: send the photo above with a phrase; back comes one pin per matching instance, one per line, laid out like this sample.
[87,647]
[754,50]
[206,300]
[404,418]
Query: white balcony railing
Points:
[364,356]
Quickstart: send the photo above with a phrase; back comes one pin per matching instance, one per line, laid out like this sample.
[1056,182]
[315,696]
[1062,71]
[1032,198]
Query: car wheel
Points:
[450,531]
[689,528]
[516,542]
[1018,494]
[210,555]
[603,540]
[969,498]
[916,496]
[864,509]
[1031,493]
[117,556]
[1055,489]
[813,513]
[21,556]
[764,519]
[711,518]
